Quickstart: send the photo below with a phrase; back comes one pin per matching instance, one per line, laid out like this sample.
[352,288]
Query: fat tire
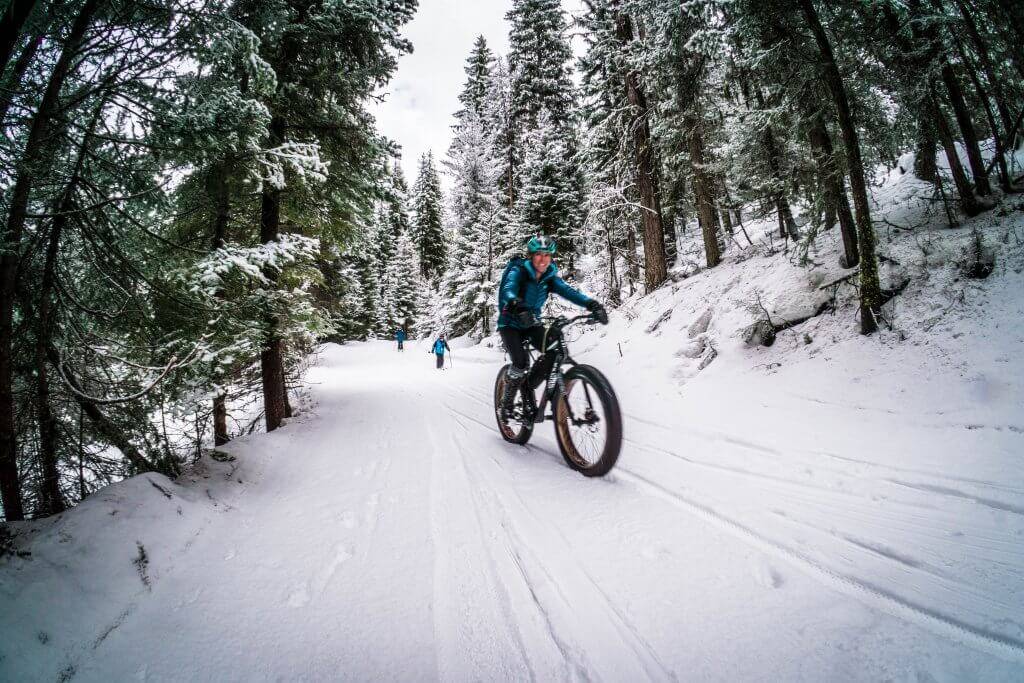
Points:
[612,413]
[507,430]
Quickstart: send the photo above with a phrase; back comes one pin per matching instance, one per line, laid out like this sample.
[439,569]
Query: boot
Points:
[513,380]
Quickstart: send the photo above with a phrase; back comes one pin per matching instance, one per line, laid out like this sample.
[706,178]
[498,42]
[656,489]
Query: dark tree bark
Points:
[970,137]
[836,204]
[51,499]
[614,286]
[997,133]
[105,428]
[968,201]
[11,22]
[13,79]
[667,223]
[632,267]
[222,214]
[787,226]
[33,164]
[1013,20]
[995,83]
[703,190]
[653,231]
[983,97]
[870,289]
[271,359]
[925,166]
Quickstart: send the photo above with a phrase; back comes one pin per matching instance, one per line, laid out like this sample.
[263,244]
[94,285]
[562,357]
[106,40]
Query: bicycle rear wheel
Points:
[588,422]
[516,430]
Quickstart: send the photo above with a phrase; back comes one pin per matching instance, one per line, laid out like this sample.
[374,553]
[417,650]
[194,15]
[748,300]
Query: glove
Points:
[523,316]
[598,311]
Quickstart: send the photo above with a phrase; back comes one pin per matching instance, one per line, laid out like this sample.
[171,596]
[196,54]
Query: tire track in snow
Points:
[767,450]
[936,622]
[457,484]
[573,593]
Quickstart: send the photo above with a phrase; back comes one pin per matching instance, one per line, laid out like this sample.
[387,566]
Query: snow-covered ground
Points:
[831,507]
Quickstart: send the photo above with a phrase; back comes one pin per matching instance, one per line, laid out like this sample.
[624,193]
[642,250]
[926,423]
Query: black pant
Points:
[400,342]
[515,343]
[440,360]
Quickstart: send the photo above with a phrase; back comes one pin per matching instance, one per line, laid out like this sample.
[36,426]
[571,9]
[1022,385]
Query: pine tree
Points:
[499,119]
[404,281]
[426,225]
[544,116]
[478,69]
[550,199]
[540,62]
[477,218]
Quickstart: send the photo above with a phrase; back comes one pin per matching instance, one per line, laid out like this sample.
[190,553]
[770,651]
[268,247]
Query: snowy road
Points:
[422,547]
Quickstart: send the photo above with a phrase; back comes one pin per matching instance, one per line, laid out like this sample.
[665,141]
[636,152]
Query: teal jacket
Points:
[522,283]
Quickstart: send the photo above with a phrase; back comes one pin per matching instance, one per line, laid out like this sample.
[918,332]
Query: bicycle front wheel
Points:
[588,422]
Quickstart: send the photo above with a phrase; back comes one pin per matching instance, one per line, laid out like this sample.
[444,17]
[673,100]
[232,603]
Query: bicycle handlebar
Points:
[561,321]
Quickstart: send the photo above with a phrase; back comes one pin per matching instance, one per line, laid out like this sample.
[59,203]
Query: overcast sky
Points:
[423,95]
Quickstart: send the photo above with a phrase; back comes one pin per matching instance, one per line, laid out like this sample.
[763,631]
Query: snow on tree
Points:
[405,283]
[499,120]
[540,59]
[551,198]
[478,75]
[427,230]
[478,224]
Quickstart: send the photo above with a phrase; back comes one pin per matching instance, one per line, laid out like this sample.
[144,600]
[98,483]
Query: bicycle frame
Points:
[554,387]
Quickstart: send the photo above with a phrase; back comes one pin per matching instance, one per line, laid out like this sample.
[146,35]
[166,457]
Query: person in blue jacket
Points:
[521,297]
[400,337]
[440,346]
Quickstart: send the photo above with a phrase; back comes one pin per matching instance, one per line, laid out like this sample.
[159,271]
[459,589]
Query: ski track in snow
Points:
[423,546]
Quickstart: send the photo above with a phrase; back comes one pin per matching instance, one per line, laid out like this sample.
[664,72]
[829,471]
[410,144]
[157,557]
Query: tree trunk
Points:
[632,268]
[51,499]
[271,362]
[11,22]
[970,137]
[668,224]
[1013,19]
[222,208]
[836,203]
[655,267]
[870,289]
[703,190]
[997,132]
[11,83]
[995,83]
[614,287]
[968,202]
[925,166]
[32,165]
[106,429]
[787,226]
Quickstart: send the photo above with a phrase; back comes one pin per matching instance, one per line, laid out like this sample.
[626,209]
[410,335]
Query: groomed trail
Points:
[389,534]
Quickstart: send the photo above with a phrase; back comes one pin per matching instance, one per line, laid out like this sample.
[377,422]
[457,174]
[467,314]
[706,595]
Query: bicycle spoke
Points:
[584,423]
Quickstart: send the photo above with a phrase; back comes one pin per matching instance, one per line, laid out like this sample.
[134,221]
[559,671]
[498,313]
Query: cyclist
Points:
[524,288]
